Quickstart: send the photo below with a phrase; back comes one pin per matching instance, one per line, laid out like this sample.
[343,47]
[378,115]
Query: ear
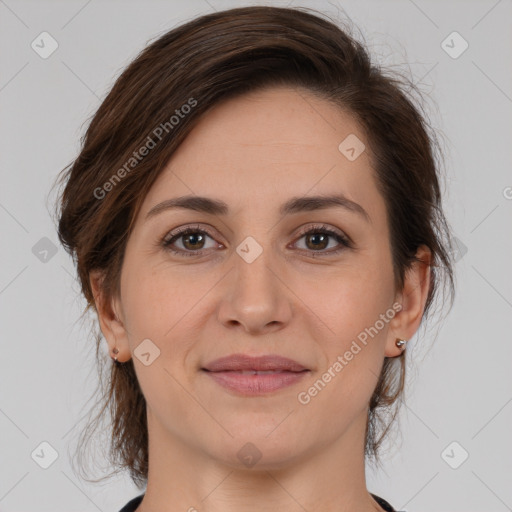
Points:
[412,298]
[111,323]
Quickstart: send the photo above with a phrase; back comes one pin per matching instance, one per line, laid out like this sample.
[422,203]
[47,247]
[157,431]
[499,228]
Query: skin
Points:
[254,153]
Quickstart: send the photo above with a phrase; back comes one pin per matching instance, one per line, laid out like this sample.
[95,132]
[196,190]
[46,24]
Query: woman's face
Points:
[250,280]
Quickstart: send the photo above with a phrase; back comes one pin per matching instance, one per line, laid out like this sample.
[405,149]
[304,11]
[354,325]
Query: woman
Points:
[256,219]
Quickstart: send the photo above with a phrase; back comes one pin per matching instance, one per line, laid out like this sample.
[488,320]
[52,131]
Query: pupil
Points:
[189,236]
[318,235]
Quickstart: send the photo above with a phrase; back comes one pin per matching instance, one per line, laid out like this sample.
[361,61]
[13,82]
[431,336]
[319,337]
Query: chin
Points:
[258,447]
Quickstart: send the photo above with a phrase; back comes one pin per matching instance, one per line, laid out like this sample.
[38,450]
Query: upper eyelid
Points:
[303,230]
[198,227]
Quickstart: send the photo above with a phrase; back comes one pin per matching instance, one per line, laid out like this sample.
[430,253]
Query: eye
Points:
[317,239]
[191,238]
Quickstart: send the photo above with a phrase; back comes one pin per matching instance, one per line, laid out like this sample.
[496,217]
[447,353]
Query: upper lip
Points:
[240,362]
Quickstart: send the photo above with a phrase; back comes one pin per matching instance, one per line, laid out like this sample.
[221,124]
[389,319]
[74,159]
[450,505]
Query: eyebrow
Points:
[293,205]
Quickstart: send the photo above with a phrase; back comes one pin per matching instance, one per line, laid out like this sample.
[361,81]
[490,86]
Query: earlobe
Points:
[111,324]
[412,298]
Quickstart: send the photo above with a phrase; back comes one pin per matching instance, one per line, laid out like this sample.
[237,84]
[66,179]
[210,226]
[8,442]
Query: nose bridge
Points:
[253,269]
[253,256]
[256,298]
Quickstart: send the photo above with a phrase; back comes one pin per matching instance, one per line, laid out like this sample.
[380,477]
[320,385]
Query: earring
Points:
[115,351]
[400,344]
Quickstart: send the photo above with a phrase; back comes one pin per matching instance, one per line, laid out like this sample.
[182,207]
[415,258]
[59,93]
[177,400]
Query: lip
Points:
[241,362]
[239,373]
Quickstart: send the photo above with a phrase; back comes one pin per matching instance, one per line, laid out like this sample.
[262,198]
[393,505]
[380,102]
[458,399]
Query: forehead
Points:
[267,146]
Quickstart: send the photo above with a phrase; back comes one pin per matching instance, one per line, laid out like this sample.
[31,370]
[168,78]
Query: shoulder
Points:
[383,503]
[132,504]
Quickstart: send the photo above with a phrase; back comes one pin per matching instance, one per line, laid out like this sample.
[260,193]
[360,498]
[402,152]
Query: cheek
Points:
[145,295]
[352,311]
[145,303]
[347,301]
[353,353]
[162,303]
[157,304]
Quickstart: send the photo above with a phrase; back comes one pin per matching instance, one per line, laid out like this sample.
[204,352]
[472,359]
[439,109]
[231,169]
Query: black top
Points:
[133,504]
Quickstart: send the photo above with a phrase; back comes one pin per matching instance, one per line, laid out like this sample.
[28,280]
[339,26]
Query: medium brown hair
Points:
[201,63]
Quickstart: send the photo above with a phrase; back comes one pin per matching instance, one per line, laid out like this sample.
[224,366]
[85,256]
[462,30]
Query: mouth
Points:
[246,375]
[253,382]
[258,372]
[244,362]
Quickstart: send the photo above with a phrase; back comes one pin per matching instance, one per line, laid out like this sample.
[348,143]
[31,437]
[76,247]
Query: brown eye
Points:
[192,241]
[318,238]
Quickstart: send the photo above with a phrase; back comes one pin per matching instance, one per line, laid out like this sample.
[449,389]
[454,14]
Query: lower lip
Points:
[247,384]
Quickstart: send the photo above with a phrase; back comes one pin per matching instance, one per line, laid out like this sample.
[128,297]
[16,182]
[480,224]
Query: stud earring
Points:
[115,351]
[400,344]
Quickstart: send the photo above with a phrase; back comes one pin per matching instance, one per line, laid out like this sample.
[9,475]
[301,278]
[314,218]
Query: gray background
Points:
[459,386]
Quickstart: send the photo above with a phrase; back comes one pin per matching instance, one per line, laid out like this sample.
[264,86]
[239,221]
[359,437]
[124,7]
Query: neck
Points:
[330,477]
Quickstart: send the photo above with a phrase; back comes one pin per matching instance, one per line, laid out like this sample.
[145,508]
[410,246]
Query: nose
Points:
[254,296]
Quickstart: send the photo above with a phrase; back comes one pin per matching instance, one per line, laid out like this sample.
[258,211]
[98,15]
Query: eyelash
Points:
[170,238]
